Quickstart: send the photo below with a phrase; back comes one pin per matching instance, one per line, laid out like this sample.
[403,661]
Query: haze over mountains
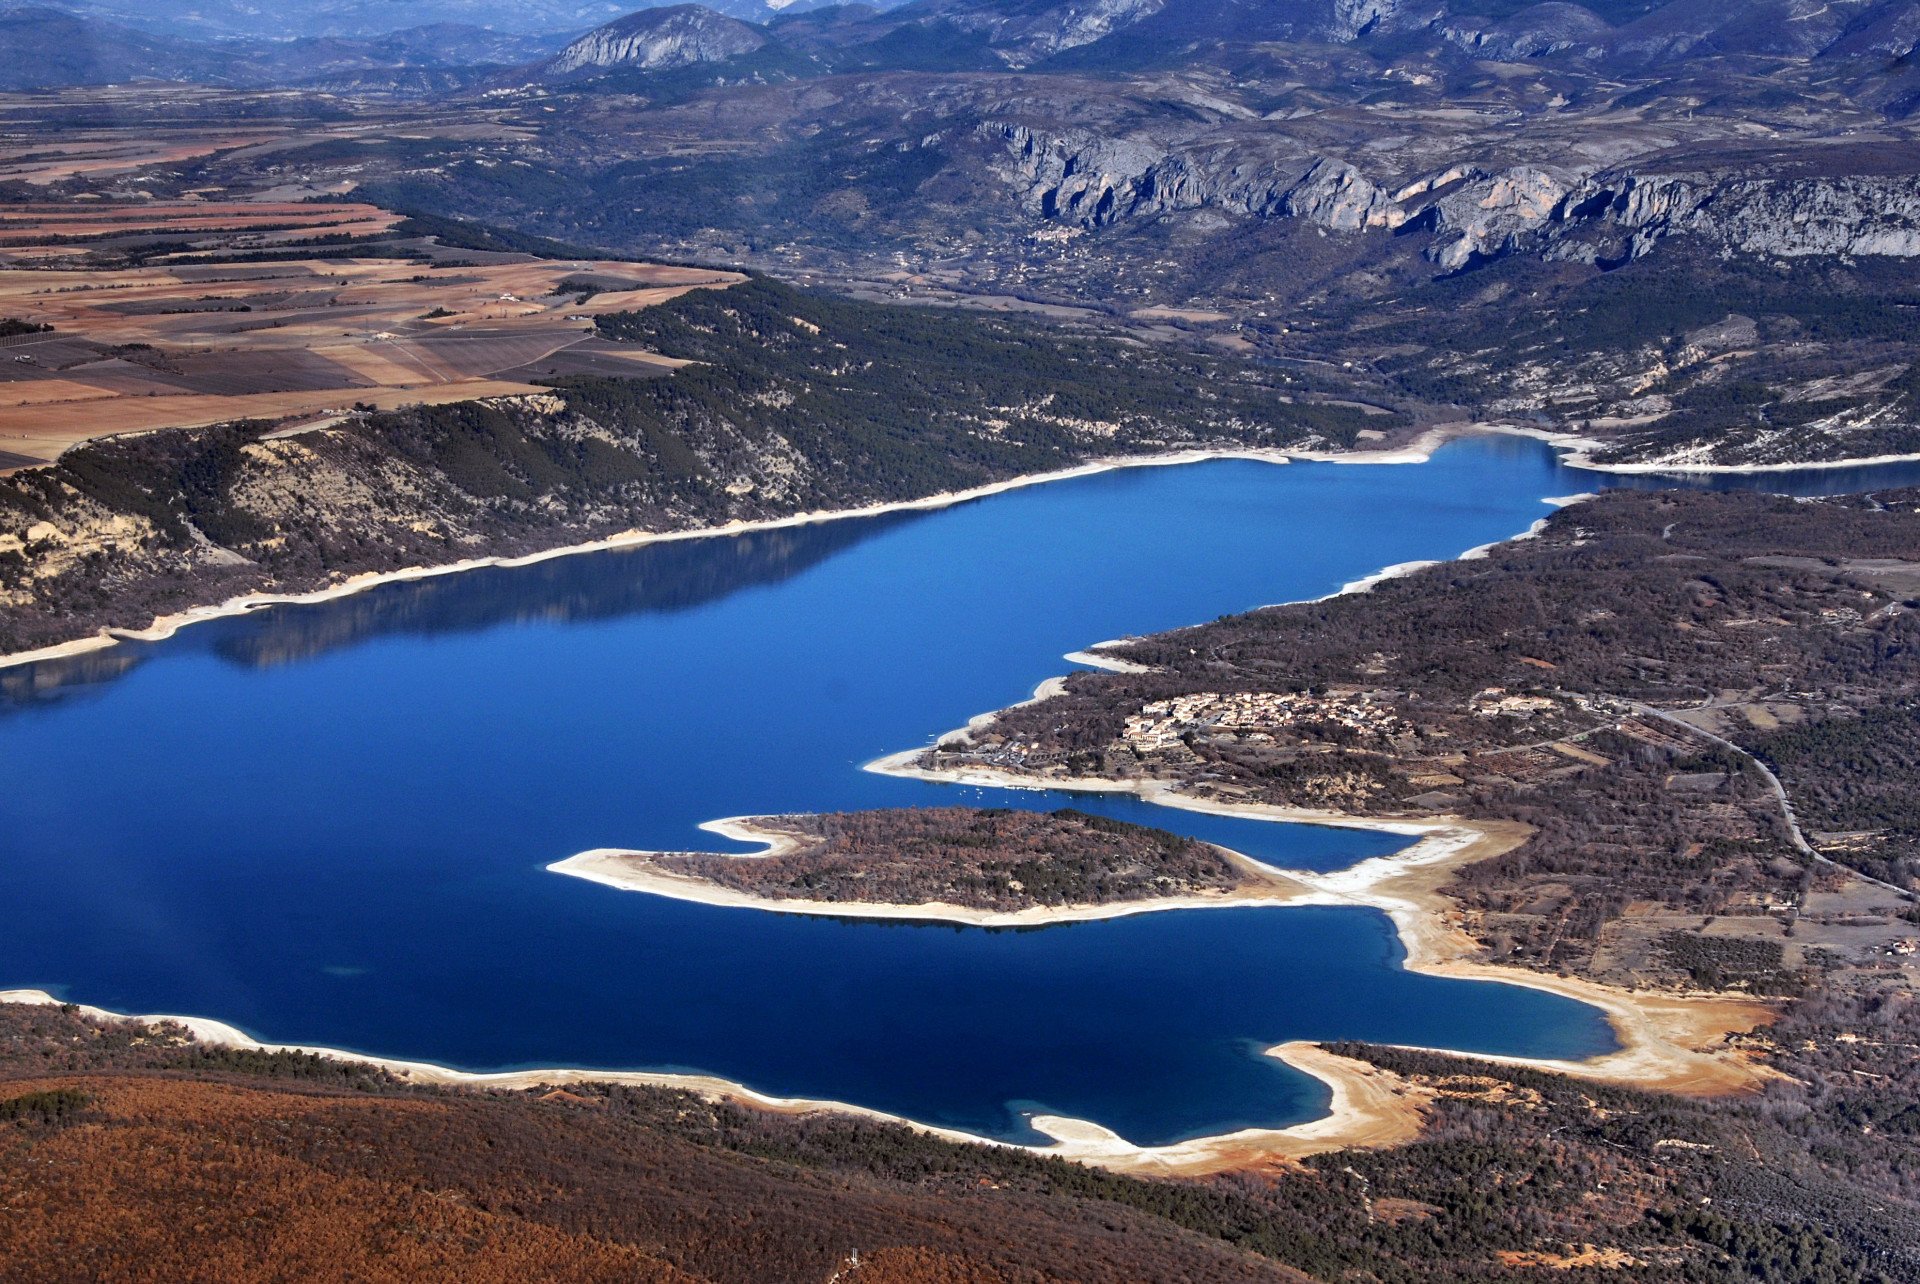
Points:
[284,19]
[48,47]
[1619,37]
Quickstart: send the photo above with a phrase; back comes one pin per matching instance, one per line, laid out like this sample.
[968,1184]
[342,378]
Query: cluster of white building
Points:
[1496,700]
[1162,723]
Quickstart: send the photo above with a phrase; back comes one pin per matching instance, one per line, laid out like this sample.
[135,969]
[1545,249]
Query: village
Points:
[1257,715]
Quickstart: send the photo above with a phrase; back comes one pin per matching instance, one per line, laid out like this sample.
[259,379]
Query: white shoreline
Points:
[1644,1053]
[1577,453]
[1655,1030]
[166,626]
[1420,450]
[1091,658]
[623,870]
[1649,1048]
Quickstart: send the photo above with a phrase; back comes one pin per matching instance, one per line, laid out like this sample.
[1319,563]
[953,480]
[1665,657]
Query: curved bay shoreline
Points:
[1370,1106]
[1671,1042]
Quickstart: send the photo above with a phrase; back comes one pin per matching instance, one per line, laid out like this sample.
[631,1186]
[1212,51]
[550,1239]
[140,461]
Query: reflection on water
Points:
[679,574]
[670,575]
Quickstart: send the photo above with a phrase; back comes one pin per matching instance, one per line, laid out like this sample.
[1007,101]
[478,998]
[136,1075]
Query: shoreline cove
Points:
[1667,1040]
[1369,1107]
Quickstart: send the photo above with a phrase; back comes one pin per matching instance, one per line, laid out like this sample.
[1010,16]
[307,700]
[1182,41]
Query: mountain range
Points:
[89,40]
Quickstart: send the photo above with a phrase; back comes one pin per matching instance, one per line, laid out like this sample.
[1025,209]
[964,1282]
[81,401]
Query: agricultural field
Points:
[180,344]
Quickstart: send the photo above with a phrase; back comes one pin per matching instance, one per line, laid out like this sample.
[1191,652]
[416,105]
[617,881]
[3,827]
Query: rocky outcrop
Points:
[1526,207]
[1472,214]
[658,40]
[1356,19]
[1543,31]
[1022,38]
[1780,217]
[1488,214]
[1091,181]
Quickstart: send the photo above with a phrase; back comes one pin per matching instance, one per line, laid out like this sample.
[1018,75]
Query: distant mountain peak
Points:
[659,39]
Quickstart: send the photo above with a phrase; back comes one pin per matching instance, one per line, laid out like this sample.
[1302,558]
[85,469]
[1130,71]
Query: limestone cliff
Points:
[1471,212]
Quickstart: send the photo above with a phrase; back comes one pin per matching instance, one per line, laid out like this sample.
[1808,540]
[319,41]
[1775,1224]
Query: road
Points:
[1779,793]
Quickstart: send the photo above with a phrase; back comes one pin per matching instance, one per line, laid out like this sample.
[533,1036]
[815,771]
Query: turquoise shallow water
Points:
[327,824]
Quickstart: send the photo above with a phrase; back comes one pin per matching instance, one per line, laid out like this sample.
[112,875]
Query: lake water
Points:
[327,824]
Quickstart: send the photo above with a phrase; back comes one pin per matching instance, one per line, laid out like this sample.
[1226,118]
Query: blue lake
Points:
[327,824]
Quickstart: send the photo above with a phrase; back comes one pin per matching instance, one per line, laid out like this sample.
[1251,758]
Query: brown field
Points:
[102,152]
[177,346]
[31,225]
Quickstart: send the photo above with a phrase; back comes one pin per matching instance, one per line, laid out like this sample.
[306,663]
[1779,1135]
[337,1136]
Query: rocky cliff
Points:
[1091,181]
[1471,212]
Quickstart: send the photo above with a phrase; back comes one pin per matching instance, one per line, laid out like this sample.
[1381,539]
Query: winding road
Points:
[1779,793]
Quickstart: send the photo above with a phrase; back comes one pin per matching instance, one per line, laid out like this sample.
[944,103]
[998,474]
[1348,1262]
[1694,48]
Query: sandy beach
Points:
[1093,657]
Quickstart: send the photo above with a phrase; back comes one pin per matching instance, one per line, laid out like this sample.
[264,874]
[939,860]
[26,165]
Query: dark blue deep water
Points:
[327,824]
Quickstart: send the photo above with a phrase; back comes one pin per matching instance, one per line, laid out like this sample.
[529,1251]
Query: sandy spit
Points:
[1093,658]
[1672,1042]
[1669,1041]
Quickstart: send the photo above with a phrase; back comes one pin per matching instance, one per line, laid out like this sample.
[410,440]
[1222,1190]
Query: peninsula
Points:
[990,867]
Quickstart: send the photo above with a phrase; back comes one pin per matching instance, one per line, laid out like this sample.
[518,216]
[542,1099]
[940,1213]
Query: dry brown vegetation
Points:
[129,1152]
[278,1168]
